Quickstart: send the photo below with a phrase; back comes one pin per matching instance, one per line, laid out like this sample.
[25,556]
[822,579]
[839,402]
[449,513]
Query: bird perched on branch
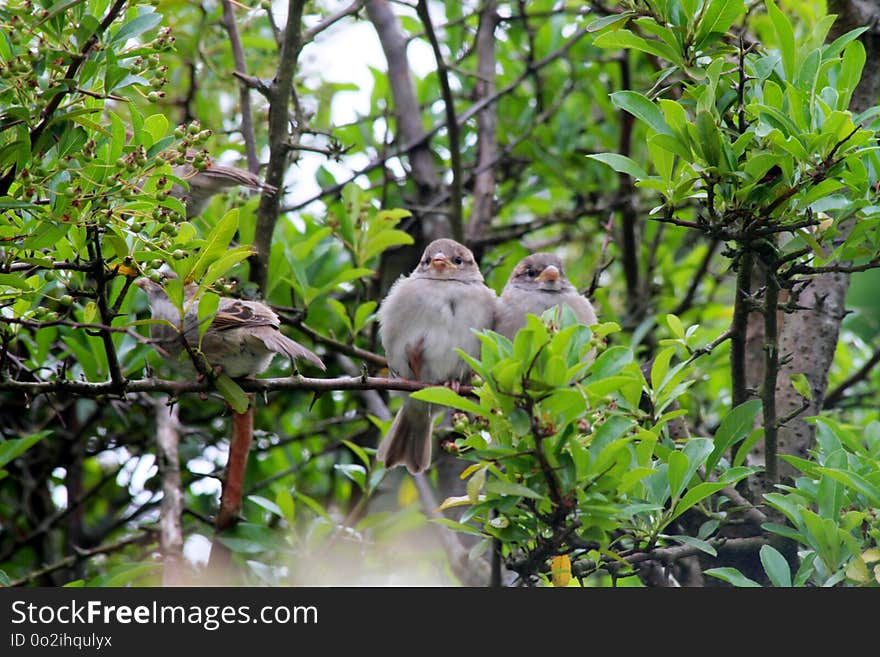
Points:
[422,320]
[241,340]
[537,284]
[213,179]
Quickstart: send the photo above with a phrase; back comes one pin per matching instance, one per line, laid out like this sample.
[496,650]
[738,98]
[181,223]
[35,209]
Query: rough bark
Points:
[808,337]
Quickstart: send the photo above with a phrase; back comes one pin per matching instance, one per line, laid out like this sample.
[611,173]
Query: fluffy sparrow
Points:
[205,183]
[242,339]
[537,284]
[422,320]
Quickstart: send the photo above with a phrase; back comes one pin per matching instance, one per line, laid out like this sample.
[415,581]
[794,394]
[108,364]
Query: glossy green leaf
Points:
[775,566]
[643,109]
[447,397]
[731,576]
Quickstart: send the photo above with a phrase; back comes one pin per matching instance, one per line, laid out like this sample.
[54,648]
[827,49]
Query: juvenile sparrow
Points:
[205,183]
[422,320]
[537,284]
[242,339]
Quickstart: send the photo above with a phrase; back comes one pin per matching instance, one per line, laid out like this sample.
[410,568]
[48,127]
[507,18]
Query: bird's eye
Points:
[531,273]
[458,260]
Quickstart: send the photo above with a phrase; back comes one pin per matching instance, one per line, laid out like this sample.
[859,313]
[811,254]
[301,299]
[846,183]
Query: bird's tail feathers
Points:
[235,176]
[277,341]
[408,441]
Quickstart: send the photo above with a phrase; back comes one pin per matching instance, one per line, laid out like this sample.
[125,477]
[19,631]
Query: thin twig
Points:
[834,397]
[143,538]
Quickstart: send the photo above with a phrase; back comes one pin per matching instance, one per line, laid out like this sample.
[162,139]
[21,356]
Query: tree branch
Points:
[244,94]
[176,388]
[282,90]
[738,327]
[771,372]
[455,217]
[473,110]
[834,397]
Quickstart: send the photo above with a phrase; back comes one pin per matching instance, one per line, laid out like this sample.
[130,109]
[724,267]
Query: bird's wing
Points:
[236,313]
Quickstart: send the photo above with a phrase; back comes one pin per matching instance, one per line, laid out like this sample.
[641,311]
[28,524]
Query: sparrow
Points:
[422,320]
[241,340]
[213,179]
[537,284]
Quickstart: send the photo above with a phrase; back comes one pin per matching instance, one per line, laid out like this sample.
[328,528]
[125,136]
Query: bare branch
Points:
[244,96]
[455,217]
[473,110]
[350,10]
[176,388]
[834,397]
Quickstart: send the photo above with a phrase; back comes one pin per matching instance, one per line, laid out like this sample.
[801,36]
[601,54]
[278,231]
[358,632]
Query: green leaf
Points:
[232,393]
[775,566]
[268,505]
[697,543]
[802,385]
[854,482]
[90,312]
[678,467]
[384,241]
[627,40]
[746,447]
[157,126]
[785,38]
[605,21]
[14,281]
[717,19]
[457,526]
[364,314]
[208,305]
[226,262]
[620,163]
[15,447]
[510,488]
[216,244]
[660,367]
[446,397]
[709,138]
[475,485]
[137,25]
[695,495]
[313,505]
[358,451]
[675,326]
[640,107]
[125,574]
[610,362]
[732,576]
[734,427]
[354,471]
[284,501]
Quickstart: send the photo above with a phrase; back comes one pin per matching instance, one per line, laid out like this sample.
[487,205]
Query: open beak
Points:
[549,275]
[440,262]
